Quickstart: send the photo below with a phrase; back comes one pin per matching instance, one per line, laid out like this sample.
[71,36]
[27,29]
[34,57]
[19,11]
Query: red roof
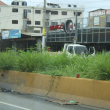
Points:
[2,3]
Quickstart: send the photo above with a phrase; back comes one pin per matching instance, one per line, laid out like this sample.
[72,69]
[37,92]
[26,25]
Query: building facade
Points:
[30,21]
[93,30]
[99,18]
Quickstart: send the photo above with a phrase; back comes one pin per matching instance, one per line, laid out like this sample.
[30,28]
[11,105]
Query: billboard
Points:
[5,34]
[99,12]
[15,33]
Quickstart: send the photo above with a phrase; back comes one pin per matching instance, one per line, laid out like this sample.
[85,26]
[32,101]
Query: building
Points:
[29,19]
[93,30]
[99,18]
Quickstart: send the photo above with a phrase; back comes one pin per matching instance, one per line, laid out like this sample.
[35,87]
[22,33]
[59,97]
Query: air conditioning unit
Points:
[37,30]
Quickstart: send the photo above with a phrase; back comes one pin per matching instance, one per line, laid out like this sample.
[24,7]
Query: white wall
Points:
[62,18]
[70,13]
[6,16]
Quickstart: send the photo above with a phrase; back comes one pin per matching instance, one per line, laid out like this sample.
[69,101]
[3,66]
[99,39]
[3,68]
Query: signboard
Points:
[97,13]
[5,34]
[74,39]
[15,34]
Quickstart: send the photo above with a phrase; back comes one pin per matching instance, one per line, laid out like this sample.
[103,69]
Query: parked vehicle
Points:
[74,49]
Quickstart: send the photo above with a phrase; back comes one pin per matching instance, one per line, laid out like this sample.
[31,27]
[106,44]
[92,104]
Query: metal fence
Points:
[90,30]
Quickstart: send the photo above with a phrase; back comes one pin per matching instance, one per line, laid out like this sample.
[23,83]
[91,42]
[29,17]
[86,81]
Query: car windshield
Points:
[80,49]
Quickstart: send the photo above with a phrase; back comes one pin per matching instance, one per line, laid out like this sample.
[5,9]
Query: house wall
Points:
[6,16]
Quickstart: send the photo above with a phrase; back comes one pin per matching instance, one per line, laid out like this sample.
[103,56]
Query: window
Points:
[79,49]
[14,21]
[28,22]
[96,20]
[47,23]
[37,22]
[70,49]
[38,11]
[14,10]
[64,13]
[54,23]
[25,13]
[28,11]
[54,12]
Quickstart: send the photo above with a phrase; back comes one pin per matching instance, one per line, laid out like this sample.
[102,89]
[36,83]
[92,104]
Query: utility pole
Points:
[44,35]
[76,29]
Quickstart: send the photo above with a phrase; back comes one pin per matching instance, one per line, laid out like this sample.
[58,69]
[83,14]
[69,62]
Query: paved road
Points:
[11,101]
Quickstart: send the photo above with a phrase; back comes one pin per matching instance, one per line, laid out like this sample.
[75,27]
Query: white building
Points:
[30,20]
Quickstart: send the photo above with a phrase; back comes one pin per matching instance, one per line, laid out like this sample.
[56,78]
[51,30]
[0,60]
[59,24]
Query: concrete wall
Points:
[85,91]
[7,16]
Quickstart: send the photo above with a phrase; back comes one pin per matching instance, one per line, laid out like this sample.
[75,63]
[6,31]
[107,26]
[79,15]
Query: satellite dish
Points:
[68,26]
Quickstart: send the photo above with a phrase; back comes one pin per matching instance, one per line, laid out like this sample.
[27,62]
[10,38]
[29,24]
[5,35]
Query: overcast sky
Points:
[89,4]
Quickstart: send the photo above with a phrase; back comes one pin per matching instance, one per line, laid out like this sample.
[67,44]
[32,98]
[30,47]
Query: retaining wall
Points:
[86,91]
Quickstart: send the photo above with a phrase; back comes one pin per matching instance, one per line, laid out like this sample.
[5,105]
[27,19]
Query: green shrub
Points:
[7,60]
[97,67]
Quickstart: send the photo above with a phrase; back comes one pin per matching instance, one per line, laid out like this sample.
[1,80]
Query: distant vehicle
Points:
[74,49]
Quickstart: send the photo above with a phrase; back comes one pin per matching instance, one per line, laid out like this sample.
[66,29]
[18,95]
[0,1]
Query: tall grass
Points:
[97,67]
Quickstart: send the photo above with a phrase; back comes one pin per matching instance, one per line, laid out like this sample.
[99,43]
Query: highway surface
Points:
[13,101]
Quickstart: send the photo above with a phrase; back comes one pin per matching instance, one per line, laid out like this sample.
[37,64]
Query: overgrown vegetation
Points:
[97,67]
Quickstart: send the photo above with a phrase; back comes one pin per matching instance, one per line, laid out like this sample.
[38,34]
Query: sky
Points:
[89,4]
